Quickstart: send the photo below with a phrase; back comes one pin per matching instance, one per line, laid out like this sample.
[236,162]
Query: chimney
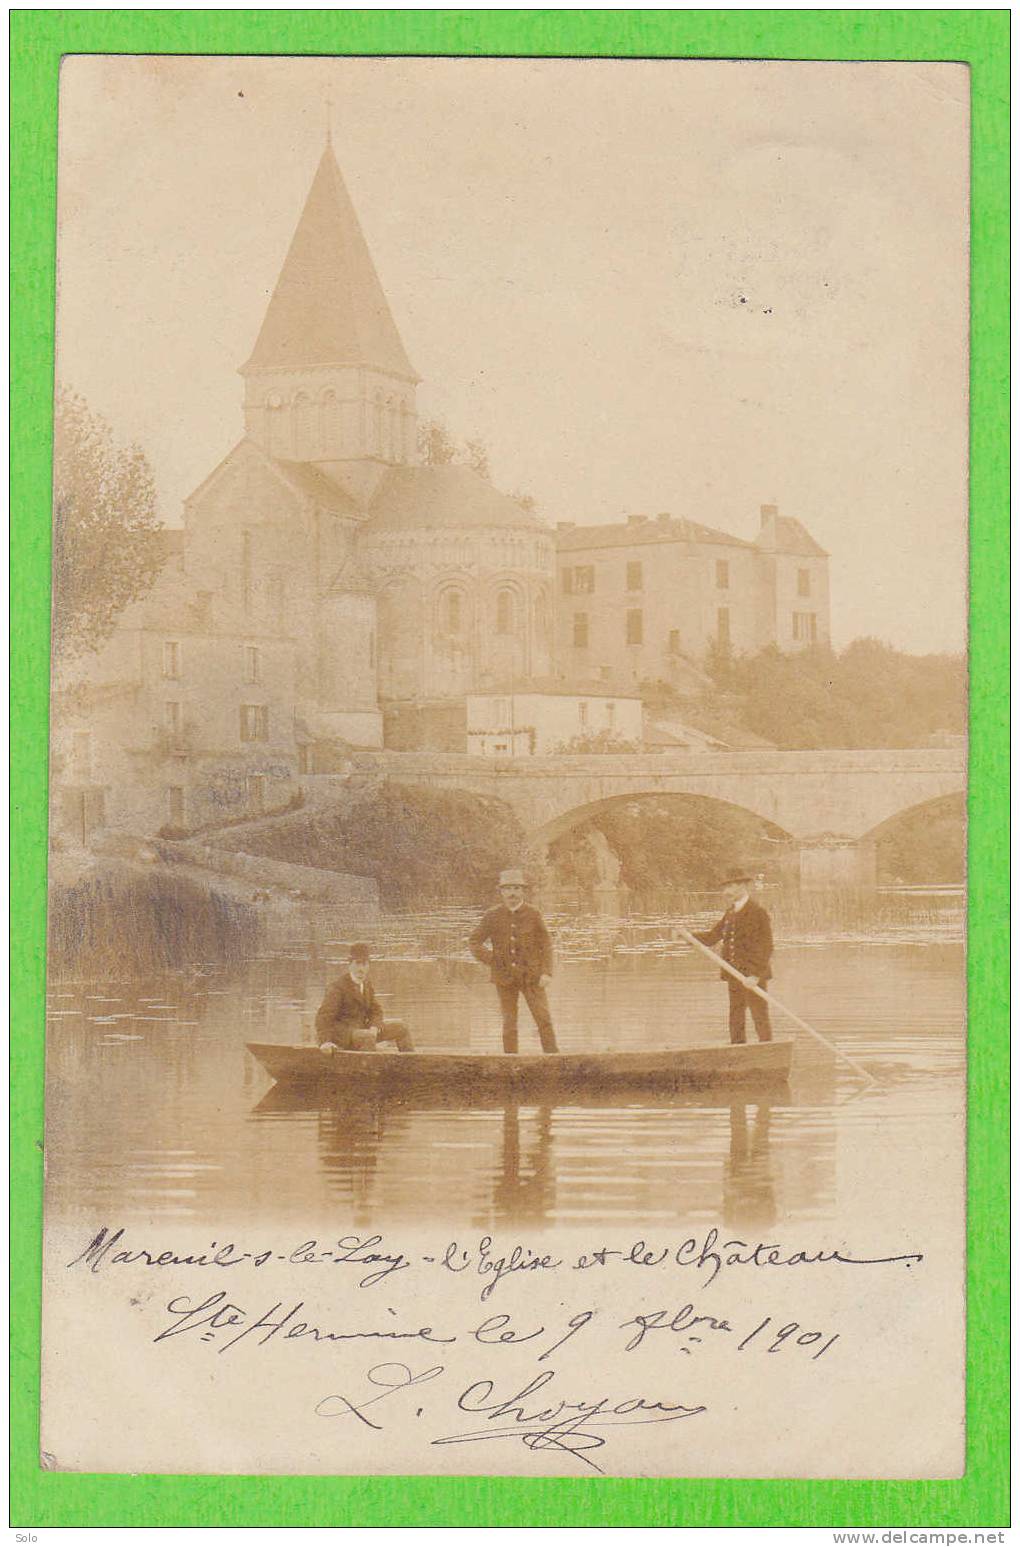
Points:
[767,535]
[636,520]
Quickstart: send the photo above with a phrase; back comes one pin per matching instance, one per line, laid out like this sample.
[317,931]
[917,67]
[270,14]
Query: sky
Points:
[685,286]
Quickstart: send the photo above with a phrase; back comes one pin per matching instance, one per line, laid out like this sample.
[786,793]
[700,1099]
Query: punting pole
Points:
[772,1000]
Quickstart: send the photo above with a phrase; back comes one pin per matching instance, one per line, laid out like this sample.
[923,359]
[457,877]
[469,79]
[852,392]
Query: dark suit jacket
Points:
[347,1009]
[515,945]
[746,940]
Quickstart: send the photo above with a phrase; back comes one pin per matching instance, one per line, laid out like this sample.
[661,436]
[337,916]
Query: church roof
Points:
[410,498]
[314,483]
[328,307]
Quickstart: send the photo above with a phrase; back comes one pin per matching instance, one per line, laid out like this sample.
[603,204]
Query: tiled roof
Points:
[642,533]
[410,498]
[328,307]
[313,482]
[792,537]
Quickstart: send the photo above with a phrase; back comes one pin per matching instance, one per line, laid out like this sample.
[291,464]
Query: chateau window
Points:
[610,714]
[635,626]
[252,663]
[582,712]
[173,719]
[580,631]
[722,628]
[803,582]
[722,574]
[635,577]
[257,792]
[254,722]
[172,660]
[377,425]
[175,805]
[580,580]
[277,598]
[371,649]
[805,627]
[505,612]
[674,641]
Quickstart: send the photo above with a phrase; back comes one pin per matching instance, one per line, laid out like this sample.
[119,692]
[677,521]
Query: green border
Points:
[979,38]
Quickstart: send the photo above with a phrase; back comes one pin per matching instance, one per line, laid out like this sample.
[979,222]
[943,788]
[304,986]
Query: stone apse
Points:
[832,805]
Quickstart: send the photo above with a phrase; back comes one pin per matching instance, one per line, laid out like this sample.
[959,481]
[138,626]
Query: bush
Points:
[421,845]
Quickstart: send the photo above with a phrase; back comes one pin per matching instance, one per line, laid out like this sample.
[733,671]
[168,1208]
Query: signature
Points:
[566,1426]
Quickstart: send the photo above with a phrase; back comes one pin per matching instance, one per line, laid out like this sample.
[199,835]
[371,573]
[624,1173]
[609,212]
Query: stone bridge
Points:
[818,799]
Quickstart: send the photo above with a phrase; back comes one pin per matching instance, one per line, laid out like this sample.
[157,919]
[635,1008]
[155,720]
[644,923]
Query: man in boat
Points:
[744,938]
[350,1017]
[513,942]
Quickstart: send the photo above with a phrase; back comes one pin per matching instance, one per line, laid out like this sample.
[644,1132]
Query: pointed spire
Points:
[328,307]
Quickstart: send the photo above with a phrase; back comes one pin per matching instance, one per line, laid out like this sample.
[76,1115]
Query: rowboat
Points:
[705,1065]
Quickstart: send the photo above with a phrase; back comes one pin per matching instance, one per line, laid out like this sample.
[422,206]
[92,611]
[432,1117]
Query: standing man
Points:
[350,1017]
[745,931]
[513,942]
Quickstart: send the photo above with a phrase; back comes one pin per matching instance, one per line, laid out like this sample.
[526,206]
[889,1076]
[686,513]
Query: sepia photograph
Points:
[506,987]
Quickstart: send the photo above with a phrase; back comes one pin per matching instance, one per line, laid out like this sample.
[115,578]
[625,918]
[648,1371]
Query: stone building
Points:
[183,718]
[645,599]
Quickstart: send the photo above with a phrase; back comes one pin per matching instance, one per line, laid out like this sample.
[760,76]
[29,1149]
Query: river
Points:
[156,1112]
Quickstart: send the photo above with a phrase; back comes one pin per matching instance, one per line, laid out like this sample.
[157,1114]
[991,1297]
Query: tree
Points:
[477,456]
[436,446]
[107,541]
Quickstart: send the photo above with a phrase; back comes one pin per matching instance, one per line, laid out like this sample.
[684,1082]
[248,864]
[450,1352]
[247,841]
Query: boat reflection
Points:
[528,1163]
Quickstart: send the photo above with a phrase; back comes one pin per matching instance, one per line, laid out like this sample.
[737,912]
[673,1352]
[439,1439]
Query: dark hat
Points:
[360,953]
[512,878]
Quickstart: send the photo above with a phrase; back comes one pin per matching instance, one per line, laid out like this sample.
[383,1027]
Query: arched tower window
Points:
[505,611]
[329,424]
[303,447]
[276,428]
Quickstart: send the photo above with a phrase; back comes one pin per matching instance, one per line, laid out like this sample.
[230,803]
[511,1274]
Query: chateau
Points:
[331,590]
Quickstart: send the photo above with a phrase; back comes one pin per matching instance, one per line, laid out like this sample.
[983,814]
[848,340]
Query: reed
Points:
[118,923]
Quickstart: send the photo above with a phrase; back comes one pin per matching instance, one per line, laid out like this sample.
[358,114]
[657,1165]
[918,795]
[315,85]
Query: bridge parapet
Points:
[803,794]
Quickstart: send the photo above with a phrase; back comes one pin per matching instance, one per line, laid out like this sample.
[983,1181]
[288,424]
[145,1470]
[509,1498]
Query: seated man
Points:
[350,1016]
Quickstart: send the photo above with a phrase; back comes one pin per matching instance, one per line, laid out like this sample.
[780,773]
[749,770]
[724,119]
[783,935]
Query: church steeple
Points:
[329,379]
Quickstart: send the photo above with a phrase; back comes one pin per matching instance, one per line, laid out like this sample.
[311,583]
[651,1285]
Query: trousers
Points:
[742,1000]
[538,1004]
[391,1031]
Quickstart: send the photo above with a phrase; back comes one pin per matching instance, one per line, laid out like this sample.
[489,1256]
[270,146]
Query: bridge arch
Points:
[567,821]
[932,804]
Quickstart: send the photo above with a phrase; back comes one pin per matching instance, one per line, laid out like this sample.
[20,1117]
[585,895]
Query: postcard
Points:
[506,984]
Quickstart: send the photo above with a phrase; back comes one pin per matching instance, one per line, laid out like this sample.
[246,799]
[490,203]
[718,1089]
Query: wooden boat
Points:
[710,1064]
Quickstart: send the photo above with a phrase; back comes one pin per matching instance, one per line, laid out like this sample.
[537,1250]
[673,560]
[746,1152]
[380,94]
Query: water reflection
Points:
[748,1190]
[155,1111]
[532,1163]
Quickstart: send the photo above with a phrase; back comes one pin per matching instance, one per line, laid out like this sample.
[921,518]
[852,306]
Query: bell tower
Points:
[328,381]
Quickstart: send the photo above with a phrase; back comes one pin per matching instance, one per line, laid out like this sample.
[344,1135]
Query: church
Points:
[331,590]
[402,585]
